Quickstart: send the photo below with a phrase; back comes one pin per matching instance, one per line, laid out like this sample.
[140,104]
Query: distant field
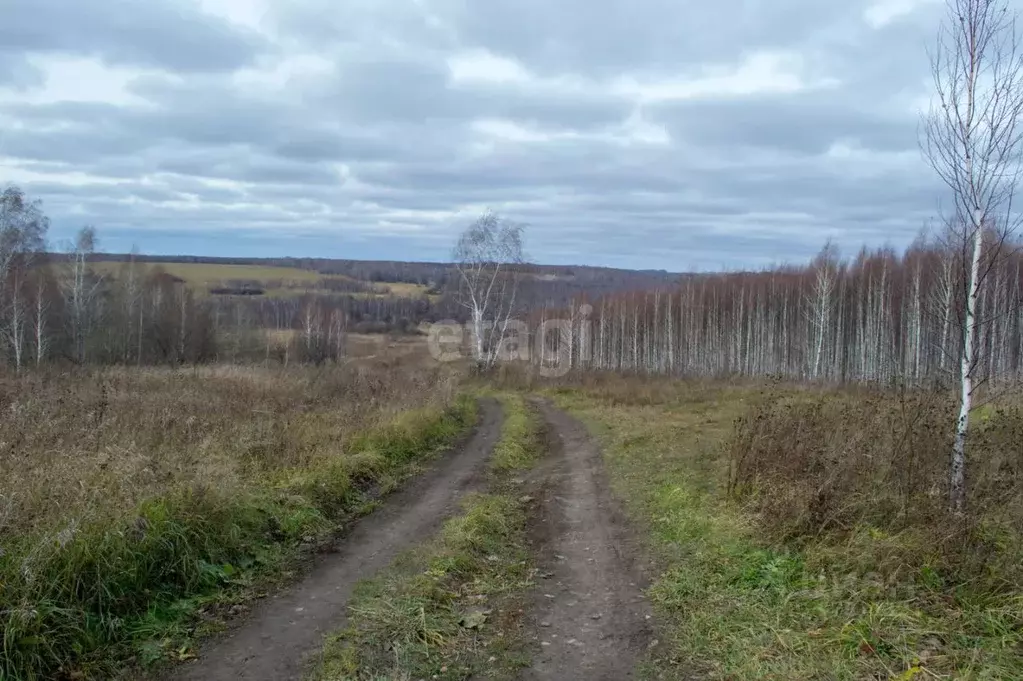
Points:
[203,274]
[406,290]
[399,289]
[280,281]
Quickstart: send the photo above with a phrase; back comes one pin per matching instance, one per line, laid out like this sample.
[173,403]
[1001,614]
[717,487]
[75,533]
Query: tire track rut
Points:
[592,622]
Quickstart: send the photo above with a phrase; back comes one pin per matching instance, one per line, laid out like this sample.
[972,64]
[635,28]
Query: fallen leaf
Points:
[474,618]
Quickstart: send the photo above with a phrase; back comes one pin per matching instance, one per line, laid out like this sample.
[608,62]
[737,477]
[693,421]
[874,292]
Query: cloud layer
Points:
[638,133]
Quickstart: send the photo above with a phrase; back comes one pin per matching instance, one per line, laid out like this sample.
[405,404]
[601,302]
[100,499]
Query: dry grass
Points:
[828,464]
[98,442]
[399,289]
[131,497]
[381,350]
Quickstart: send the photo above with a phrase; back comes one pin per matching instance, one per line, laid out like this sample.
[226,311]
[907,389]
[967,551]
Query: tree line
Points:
[881,317]
[59,307]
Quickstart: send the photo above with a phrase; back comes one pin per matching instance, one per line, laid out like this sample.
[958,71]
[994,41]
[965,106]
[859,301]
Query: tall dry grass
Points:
[125,491]
[830,465]
[95,443]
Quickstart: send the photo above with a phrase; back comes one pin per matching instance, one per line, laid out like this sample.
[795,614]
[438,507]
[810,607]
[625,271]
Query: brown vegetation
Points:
[132,497]
[99,441]
[818,466]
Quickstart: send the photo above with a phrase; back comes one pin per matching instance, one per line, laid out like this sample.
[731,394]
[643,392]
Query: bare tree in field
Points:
[973,141]
[80,287]
[41,309]
[22,230]
[486,256]
[821,303]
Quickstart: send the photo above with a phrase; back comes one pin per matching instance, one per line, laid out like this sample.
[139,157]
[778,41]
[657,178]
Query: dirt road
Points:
[276,640]
[590,616]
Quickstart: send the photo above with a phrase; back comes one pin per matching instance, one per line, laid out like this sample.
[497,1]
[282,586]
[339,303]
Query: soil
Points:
[275,642]
[590,618]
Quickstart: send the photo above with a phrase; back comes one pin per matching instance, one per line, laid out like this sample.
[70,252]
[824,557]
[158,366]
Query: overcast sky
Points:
[675,134]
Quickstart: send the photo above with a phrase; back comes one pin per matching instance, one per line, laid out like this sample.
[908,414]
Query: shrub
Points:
[832,465]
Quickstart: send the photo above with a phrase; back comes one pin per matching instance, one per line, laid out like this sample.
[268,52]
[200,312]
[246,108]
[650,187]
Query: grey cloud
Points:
[245,166]
[80,146]
[804,123]
[201,115]
[397,90]
[411,91]
[664,35]
[564,167]
[17,72]
[744,181]
[108,192]
[326,24]
[192,186]
[441,199]
[156,33]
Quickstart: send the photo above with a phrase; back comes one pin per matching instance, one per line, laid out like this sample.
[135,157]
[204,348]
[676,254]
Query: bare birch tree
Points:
[972,140]
[821,303]
[486,256]
[22,229]
[39,330]
[17,317]
[80,288]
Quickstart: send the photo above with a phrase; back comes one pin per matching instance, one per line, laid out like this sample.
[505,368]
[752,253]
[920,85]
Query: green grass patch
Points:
[452,608]
[404,438]
[733,603]
[520,445]
[88,600]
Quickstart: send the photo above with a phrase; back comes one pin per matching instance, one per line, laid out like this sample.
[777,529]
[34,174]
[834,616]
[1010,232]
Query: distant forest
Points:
[538,286]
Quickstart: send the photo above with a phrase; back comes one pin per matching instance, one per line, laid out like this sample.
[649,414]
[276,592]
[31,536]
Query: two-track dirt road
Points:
[589,618]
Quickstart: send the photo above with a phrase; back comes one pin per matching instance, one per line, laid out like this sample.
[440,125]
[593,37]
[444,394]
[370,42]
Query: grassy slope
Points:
[103,581]
[451,609]
[734,606]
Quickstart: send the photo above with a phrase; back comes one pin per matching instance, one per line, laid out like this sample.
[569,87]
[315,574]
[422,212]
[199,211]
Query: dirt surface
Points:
[591,620]
[276,640]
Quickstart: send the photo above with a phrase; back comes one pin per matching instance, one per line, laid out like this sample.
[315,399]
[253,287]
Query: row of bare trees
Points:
[929,317]
[64,307]
[879,318]
[59,308]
